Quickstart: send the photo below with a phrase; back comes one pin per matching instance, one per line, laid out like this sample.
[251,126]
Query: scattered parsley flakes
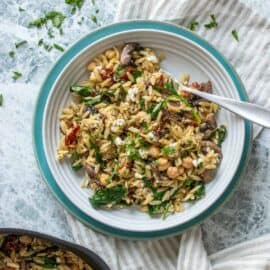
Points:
[192,26]
[55,17]
[94,18]
[16,75]
[11,54]
[20,43]
[40,42]
[75,4]
[21,9]
[46,46]
[58,47]
[50,33]
[1,99]
[97,11]
[213,23]
[235,35]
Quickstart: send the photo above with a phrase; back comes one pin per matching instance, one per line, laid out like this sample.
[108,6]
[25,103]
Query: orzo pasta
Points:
[141,140]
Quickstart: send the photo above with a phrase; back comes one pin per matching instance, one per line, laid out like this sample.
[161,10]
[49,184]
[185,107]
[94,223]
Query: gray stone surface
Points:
[25,200]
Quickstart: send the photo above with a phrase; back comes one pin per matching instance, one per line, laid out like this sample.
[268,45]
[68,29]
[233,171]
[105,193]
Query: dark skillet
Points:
[87,255]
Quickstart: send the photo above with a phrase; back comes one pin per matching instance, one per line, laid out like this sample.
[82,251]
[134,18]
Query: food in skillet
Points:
[32,253]
[140,140]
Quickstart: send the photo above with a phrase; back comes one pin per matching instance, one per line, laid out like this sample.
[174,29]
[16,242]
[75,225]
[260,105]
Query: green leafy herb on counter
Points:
[20,43]
[21,9]
[58,47]
[1,99]
[55,17]
[213,23]
[11,54]
[75,4]
[235,35]
[94,18]
[50,33]
[16,75]
[106,196]
[192,26]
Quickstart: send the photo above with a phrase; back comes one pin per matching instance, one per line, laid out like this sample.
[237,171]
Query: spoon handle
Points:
[252,112]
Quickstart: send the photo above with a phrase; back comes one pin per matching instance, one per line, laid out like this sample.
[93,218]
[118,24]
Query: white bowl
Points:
[185,53]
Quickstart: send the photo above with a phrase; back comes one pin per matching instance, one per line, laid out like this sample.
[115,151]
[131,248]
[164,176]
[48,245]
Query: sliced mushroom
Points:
[206,87]
[125,57]
[90,170]
[216,148]
[209,175]
[155,172]
[211,120]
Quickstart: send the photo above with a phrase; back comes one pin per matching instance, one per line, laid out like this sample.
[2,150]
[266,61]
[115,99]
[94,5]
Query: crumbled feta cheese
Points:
[118,141]
[137,175]
[132,93]
[197,162]
[152,58]
[173,145]
[152,136]
[117,124]
[143,153]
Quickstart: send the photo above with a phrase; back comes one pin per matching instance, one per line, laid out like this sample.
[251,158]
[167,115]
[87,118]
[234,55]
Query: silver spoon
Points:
[246,110]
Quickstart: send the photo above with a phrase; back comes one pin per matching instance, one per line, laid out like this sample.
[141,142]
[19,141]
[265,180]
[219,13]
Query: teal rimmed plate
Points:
[185,52]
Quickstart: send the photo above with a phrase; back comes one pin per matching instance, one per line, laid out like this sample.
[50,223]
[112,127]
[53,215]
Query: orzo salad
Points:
[140,140]
[26,252]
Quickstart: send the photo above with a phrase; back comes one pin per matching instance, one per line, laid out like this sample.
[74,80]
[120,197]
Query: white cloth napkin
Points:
[250,56]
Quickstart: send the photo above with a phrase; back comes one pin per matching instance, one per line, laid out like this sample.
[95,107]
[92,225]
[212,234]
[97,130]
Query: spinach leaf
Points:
[98,155]
[106,196]
[157,108]
[171,87]
[200,192]
[168,150]
[93,101]
[136,74]
[81,90]
[220,134]
[49,263]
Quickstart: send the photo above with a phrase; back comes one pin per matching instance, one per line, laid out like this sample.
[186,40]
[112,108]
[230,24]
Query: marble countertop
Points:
[25,200]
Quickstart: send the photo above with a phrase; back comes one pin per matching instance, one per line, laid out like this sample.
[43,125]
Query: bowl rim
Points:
[95,261]
[73,51]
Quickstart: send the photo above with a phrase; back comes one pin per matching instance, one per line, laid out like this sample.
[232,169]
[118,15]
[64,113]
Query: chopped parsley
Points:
[50,33]
[235,35]
[16,75]
[213,23]
[11,54]
[21,9]
[1,99]
[20,43]
[55,17]
[192,26]
[58,47]
[75,4]
[168,150]
[94,18]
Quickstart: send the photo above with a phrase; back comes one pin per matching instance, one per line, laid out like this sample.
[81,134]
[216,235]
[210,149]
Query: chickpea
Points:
[103,178]
[124,172]
[172,172]
[91,66]
[154,151]
[187,163]
[163,164]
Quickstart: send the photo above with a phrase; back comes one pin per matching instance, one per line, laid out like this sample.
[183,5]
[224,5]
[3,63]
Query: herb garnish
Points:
[213,23]
[58,47]
[106,196]
[1,99]
[94,18]
[192,26]
[75,4]
[21,9]
[11,54]
[55,17]
[20,43]
[168,150]
[50,33]
[235,35]
[16,75]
